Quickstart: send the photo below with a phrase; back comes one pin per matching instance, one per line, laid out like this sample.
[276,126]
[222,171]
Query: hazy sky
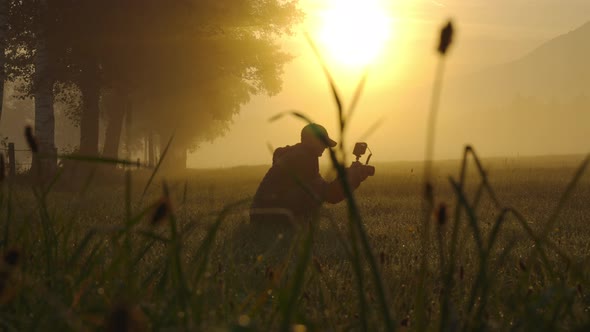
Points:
[488,32]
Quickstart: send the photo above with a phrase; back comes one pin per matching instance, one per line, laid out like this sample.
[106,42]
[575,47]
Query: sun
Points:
[354,32]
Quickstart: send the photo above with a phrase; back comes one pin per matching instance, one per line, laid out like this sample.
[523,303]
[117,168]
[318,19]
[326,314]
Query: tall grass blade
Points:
[202,254]
[471,216]
[372,129]
[335,94]
[89,264]
[432,116]
[154,237]
[565,197]
[8,219]
[358,91]
[360,279]
[81,247]
[162,157]
[428,199]
[298,279]
[356,225]
[296,114]
[98,160]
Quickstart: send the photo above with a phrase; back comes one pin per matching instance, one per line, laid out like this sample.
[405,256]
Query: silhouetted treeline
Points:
[151,68]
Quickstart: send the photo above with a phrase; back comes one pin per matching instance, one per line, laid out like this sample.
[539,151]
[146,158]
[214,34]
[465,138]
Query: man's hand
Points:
[357,174]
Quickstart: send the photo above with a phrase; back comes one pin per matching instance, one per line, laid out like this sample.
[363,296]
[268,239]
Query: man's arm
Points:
[310,188]
[333,192]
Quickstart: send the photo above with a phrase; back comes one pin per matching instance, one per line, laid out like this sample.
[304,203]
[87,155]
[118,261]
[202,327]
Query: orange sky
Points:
[489,32]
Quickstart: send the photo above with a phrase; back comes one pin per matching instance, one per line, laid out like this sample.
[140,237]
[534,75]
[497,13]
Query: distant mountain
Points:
[559,67]
[537,104]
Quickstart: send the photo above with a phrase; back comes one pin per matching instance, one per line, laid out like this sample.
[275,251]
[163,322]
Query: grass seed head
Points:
[446,38]
[11,257]
[125,318]
[299,328]
[2,168]
[31,140]
[429,191]
[270,273]
[10,278]
[161,212]
[8,288]
[244,320]
[318,265]
[441,214]
[405,322]
[165,189]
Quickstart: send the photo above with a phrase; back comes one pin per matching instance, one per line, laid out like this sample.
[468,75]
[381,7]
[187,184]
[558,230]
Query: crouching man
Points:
[292,191]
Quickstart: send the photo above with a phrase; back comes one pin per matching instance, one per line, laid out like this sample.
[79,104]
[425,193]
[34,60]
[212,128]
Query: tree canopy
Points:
[181,67]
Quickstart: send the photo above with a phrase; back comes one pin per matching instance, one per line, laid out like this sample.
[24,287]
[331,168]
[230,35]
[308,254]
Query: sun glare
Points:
[354,32]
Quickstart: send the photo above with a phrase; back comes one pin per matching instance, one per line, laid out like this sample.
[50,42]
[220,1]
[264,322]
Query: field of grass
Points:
[183,257]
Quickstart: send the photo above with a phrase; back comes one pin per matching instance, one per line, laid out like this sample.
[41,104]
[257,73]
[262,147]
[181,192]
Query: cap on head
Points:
[314,131]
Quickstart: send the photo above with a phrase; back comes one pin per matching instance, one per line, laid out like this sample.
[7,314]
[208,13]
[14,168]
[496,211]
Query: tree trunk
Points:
[44,116]
[151,150]
[89,124]
[3,38]
[114,128]
[145,149]
[175,159]
[179,157]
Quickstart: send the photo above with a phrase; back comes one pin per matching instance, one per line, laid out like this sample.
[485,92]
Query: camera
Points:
[365,169]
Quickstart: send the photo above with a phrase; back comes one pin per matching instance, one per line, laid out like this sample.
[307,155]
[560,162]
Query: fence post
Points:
[11,160]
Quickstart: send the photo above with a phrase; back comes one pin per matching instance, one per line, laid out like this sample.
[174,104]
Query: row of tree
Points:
[174,67]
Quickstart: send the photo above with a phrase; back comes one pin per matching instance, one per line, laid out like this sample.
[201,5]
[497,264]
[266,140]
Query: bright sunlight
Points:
[354,32]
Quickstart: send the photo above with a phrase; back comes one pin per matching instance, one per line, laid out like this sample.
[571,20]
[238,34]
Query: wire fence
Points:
[19,161]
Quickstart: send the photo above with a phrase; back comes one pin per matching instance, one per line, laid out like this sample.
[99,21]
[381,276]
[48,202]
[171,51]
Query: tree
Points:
[32,59]
[3,39]
[191,85]
[183,67]
[118,106]
[43,92]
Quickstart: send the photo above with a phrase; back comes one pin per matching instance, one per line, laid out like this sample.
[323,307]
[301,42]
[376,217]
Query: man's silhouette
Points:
[293,190]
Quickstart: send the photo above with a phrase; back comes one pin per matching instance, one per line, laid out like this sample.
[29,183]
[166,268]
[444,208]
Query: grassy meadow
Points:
[102,254]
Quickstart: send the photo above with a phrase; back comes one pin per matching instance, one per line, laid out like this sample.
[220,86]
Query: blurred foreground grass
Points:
[97,257]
